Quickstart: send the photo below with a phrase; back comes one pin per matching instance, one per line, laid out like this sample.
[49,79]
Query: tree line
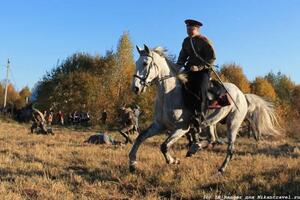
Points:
[92,83]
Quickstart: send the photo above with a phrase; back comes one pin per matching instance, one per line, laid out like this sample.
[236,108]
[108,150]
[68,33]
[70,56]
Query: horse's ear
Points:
[147,49]
[138,49]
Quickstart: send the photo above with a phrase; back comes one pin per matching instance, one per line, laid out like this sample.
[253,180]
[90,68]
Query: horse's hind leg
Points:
[233,125]
[213,133]
[252,128]
[154,129]
[212,121]
[169,142]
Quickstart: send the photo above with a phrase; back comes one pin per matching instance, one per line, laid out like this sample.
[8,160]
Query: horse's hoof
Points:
[221,171]
[210,146]
[188,154]
[132,168]
[193,150]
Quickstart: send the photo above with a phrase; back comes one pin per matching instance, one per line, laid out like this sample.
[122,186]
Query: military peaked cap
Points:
[191,22]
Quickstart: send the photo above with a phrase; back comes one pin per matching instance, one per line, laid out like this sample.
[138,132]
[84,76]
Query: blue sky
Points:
[261,36]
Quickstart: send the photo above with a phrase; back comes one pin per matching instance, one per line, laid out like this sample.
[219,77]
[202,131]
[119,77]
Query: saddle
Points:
[217,95]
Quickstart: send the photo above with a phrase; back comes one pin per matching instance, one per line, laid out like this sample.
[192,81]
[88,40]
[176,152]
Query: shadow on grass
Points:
[10,175]
[282,150]
[93,175]
[288,187]
[26,158]
[291,186]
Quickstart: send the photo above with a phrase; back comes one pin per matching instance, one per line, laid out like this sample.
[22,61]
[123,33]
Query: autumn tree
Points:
[78,83]
[122,75]
[284,90]
[262,87]
[283,86]
[296,99]
[12,94]
[25,93]
[234,73]
[78,91]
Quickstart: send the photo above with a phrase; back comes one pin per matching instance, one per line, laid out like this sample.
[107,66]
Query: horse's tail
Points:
[262,114]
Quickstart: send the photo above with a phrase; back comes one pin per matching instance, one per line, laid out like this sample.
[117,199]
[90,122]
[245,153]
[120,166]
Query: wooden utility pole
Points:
[6,83]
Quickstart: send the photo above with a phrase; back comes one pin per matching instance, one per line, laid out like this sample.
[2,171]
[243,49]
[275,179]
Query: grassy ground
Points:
[62,167]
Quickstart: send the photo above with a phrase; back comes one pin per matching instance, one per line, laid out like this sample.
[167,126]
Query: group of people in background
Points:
[76,118]
[54,118]
[127,119]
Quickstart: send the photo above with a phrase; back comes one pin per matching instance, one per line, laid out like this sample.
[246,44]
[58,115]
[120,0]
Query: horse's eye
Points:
[145,64]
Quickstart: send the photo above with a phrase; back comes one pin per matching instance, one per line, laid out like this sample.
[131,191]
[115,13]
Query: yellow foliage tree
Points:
[283,86]
[296,100]
[234,73]
[12,95]
[124,71]
[25,92]
[262,87]
[78,91]
[24,96]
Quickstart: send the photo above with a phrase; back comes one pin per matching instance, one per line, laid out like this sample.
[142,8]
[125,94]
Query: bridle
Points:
[143,80]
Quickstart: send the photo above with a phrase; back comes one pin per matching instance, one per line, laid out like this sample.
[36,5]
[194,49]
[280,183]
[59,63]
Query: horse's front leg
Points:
[178,133]
[154,129]
[212,133]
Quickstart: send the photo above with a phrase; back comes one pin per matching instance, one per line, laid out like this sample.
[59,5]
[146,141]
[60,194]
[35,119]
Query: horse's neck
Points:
[167,76]
[164,68]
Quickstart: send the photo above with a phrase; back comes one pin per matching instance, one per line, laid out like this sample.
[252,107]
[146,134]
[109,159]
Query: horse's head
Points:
[146,70]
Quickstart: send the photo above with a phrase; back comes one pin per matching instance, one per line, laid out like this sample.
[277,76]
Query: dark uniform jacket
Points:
[203,48]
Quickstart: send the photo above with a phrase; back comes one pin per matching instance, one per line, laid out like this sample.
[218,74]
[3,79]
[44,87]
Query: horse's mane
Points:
[161,51]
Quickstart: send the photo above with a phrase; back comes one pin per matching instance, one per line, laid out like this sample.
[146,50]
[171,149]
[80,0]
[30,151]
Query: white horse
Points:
[171,114]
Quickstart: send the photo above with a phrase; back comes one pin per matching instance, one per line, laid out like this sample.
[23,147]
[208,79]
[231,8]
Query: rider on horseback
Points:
[196,56]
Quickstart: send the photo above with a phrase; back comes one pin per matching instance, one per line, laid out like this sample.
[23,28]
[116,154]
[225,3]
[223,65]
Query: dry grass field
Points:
[61,166]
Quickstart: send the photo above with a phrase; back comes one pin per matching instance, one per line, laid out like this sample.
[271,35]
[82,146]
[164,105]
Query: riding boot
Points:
[190,139]
[195,136]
